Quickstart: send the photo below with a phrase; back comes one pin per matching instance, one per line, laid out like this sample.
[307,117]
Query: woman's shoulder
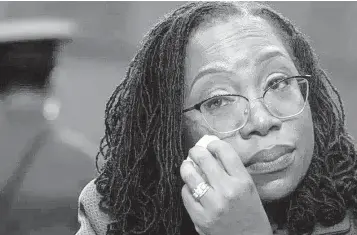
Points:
[89,196]
[92,220]
[346,226]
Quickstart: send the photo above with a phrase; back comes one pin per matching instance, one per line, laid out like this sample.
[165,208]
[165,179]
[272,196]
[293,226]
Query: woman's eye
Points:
[278,84]
[217,102]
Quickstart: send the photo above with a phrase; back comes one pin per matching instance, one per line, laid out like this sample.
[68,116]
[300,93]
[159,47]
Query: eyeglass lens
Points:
[284,99]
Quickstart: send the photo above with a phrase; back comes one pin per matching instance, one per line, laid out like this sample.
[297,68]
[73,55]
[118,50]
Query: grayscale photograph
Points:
[178,118]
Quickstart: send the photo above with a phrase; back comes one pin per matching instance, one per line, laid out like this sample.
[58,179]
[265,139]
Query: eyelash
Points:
[266,86]
[278,78]
[214,96]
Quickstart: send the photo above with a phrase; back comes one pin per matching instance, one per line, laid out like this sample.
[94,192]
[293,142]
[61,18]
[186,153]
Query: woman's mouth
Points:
[271,160]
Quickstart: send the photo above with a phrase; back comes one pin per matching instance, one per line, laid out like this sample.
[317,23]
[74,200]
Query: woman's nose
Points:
[260,121]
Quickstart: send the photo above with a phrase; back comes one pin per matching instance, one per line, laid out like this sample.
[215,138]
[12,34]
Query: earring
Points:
[51,109]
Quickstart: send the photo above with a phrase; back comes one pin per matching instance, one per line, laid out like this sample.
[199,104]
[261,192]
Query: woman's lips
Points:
[270,160]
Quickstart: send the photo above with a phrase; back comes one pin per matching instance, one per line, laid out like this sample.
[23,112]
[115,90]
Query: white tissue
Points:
[203,142]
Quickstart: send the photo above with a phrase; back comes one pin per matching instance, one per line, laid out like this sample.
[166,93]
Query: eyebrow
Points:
[268,54]
[215,67]
[219,67]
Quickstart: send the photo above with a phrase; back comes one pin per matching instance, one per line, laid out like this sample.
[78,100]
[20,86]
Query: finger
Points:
[198,230]
[228,157]
[188,159]
[192,179]
[208,164]
[194,208]
[190,175]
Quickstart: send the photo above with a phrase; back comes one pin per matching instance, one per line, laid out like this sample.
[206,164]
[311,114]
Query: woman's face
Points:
[241,56]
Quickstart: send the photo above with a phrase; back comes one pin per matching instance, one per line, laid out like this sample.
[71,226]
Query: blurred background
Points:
[110,32]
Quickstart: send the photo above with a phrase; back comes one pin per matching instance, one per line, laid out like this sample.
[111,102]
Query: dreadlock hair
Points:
[143,147]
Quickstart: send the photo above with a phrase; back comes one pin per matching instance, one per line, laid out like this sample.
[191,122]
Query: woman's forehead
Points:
[233,29]
[238,41]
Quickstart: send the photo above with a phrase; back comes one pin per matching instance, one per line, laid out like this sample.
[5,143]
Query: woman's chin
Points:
[274,190]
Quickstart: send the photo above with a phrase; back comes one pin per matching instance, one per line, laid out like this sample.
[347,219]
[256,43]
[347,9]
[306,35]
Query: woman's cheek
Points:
[193,130]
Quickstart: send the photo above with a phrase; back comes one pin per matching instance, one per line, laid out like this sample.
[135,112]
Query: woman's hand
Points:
[232,205]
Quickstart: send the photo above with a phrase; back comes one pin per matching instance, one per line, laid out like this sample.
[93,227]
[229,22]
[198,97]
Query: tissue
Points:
[203,142]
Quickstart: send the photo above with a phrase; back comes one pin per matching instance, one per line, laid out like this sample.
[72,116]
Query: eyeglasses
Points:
[284,98]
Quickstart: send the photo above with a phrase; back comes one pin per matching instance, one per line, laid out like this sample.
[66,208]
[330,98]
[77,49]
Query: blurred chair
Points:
[43,167]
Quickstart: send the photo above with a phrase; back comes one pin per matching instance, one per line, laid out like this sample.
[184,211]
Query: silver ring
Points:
[200,190]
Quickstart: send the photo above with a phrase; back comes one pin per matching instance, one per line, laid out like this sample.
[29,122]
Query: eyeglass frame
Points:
[198,105]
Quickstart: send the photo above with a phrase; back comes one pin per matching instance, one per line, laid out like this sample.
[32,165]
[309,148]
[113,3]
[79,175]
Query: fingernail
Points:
[188,159]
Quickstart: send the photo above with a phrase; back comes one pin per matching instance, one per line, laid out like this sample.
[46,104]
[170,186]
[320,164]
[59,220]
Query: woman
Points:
[240,71]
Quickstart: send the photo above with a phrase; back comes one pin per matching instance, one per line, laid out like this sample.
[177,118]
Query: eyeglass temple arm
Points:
[196,106]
